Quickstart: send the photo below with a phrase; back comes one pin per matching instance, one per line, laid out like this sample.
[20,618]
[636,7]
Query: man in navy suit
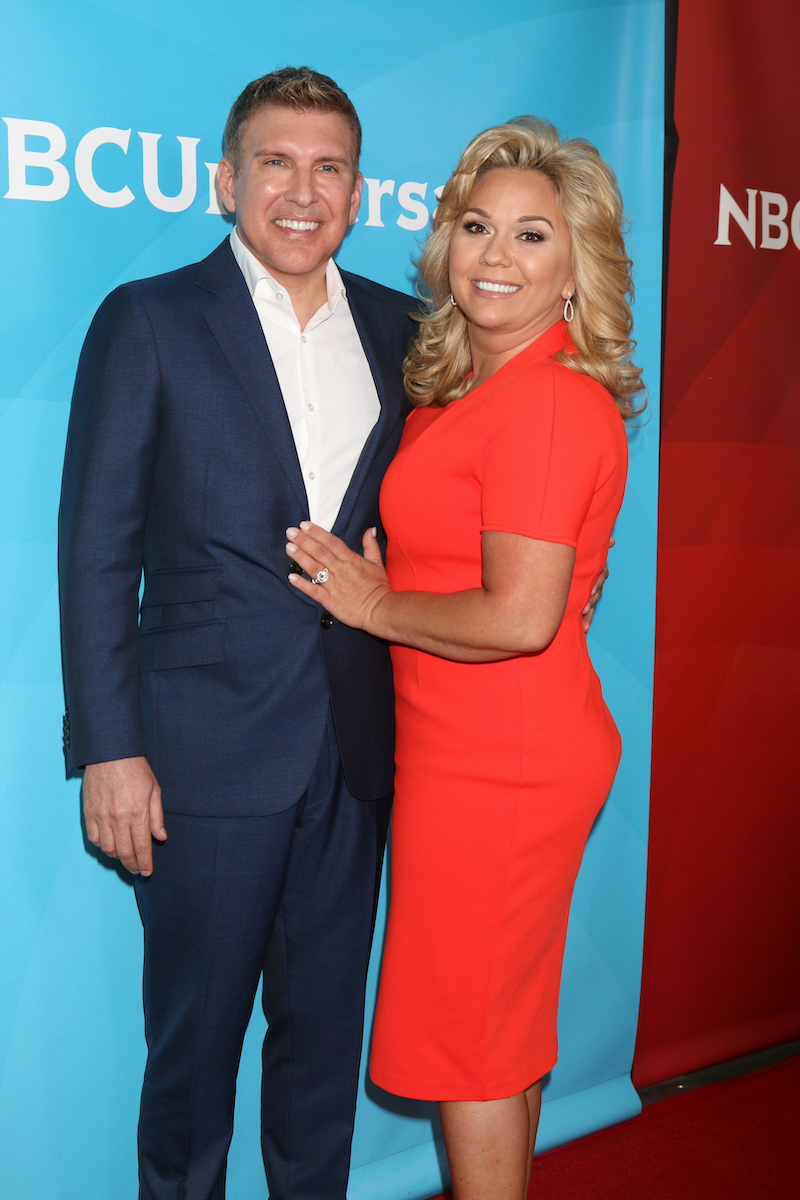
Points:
[248,734]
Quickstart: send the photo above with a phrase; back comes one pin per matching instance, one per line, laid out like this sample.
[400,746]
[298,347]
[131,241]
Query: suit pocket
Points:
[180,585]
[194,645]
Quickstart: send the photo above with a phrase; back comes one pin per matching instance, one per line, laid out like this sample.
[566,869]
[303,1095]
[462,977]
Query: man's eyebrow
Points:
[264,152]
[520,220]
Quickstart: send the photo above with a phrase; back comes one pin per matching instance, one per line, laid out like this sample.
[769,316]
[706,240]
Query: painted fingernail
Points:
[374,531]
[305,524]
[292,532]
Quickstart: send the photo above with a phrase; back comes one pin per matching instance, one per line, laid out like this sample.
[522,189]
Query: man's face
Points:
[295,193]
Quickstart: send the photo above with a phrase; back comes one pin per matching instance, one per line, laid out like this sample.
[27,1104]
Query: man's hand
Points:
[588,611]
[122,807]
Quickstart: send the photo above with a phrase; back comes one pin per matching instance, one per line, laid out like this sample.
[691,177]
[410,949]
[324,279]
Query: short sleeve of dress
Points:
[551,449]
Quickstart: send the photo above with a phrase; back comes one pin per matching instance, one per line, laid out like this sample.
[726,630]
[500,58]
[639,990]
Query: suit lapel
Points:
[233,321]
[232,318]
[389,385]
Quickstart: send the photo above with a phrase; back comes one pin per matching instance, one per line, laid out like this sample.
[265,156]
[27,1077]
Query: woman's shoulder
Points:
[545,385]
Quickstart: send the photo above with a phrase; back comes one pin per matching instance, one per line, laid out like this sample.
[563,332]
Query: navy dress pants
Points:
[291,895]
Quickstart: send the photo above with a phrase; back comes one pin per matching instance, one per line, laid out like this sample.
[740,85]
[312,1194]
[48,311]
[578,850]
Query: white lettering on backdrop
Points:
[22,159]
[774,209]
[84,162]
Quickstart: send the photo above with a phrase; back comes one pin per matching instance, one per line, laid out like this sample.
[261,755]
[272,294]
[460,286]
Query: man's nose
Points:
[302,189]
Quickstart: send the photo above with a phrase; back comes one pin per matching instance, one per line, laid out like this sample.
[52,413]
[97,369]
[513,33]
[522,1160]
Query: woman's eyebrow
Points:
[520,220]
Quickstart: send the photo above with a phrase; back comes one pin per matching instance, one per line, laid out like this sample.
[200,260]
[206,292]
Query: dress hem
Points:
[497,1090]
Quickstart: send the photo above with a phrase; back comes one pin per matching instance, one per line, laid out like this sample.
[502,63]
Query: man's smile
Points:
[298,226]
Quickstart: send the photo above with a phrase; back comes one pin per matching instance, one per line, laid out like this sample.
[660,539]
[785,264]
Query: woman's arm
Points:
[517,610]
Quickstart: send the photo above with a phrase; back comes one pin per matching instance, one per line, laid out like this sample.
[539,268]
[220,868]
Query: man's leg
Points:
[208,911]
[314,979]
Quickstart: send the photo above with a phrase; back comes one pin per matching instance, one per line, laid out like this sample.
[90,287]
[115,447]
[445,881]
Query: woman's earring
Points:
[453,301]
[569,311]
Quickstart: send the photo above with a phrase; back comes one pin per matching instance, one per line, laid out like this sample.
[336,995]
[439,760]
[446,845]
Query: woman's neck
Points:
[490,350]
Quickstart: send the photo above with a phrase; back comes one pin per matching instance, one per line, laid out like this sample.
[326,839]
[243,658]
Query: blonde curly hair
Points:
[439,359]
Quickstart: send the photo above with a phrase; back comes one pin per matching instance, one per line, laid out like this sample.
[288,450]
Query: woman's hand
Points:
[517,610]
[587,611]
[354,586]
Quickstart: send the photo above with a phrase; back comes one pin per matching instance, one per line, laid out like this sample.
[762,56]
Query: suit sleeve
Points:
[108,470]
[547,458]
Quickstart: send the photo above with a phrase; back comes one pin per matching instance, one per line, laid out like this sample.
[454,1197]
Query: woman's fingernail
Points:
[291,532]
[374,531]
[305,524]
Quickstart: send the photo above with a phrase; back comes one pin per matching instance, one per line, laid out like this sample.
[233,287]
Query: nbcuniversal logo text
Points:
[774,209]
[23,159]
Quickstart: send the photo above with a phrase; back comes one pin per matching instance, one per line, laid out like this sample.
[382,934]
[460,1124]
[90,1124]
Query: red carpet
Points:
[738,1140]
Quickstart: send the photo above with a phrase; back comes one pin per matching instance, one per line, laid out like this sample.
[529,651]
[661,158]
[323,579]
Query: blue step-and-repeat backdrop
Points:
[112,121]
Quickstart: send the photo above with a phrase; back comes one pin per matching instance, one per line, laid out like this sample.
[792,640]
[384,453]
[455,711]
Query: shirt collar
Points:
[254,272]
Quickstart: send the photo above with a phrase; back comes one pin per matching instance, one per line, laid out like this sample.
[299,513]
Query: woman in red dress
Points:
[498,510]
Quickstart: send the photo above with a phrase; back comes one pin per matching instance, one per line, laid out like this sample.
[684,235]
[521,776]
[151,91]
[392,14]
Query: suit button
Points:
[327,621]
[294,569]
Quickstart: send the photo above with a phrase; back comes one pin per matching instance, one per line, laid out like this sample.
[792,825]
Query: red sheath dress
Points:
[501,767]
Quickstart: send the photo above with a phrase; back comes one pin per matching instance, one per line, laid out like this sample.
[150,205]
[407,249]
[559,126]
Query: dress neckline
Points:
[545,346]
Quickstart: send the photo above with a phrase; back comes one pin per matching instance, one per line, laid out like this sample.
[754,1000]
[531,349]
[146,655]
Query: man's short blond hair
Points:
[298,88]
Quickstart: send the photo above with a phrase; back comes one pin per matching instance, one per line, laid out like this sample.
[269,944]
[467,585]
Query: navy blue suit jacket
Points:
[180,460]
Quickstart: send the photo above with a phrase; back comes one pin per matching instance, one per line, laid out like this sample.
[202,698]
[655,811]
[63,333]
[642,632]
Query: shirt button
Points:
[279,295]
[311,408]
[303,339]
[310,474]
[327,621]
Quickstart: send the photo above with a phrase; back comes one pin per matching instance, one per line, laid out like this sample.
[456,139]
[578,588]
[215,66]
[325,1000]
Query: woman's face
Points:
[511,256]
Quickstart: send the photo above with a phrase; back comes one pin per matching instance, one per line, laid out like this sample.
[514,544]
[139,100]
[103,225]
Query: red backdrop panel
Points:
[721,970]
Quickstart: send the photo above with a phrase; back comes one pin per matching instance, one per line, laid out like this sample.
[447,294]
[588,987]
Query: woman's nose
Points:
[495,252]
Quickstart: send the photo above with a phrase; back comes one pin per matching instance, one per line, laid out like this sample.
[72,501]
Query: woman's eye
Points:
[474,227]
[531,235]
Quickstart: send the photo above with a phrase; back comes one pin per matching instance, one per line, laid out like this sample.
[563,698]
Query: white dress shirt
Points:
[327,385]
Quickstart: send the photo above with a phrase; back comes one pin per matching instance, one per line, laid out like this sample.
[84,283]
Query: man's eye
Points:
[328,167]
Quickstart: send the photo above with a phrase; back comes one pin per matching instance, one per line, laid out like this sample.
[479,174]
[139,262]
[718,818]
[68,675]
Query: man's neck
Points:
[307,292]
[307,296]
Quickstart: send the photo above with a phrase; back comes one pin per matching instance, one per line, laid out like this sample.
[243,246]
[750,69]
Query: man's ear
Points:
[225,181]
[355,198]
